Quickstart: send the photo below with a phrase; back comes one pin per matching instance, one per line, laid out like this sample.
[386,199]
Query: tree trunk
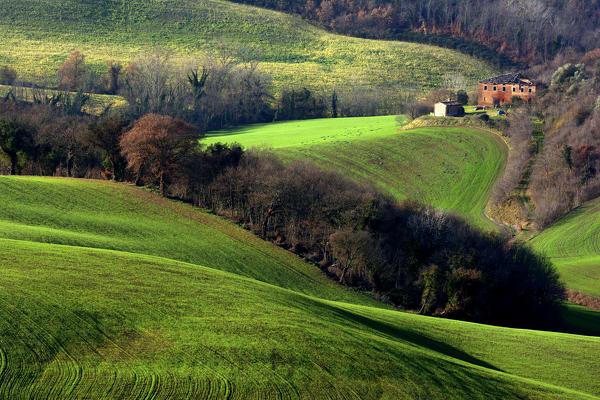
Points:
[265,224]
[13,163]
[69,164]
[112,167]
[343,277]
[138,177]
[162,185]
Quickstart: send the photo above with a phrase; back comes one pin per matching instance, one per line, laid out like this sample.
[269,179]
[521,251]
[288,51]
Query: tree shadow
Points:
[416,339]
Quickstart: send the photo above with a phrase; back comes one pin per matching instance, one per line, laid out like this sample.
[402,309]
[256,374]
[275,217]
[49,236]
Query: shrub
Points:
[567,74]
[8,75]
[462,97]
[72,73]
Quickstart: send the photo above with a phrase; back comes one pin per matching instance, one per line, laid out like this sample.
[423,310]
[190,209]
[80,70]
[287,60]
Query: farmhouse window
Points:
[495,88]
[514,89]
[504,88]
[485,87]
[522,90]
[529,90]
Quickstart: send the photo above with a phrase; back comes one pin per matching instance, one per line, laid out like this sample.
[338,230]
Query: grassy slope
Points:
[120,217]
[573,244]
[81,322]
[450,168]
[90,323]
[37,36]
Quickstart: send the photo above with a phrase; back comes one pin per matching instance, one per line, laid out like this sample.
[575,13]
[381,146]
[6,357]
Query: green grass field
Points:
[449,168]
[573,244]
[112,292]
[37,36]
[120,217]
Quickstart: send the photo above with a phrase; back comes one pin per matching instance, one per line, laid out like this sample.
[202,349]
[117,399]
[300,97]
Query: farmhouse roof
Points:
[509,79]
[451,103]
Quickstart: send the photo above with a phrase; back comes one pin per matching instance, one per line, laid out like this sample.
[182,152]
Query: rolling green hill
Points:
[97,214]
[450,168]
[37,36]
[573,244]
[112,292]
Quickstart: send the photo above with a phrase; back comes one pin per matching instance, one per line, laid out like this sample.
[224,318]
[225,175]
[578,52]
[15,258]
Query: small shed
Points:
[448,109]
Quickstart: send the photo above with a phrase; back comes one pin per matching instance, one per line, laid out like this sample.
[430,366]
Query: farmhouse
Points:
[501,89]
[448,109]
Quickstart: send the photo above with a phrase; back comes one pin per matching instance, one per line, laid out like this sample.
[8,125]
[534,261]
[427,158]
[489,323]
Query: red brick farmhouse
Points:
[501,89]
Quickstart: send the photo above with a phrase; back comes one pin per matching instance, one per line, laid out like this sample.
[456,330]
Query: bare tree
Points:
[114,77]
[355,253]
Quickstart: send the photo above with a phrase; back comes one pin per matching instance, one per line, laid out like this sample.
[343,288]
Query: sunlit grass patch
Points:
[451,168]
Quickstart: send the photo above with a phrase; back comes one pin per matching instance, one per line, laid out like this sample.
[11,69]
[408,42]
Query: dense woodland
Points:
[412,255]
[524,31]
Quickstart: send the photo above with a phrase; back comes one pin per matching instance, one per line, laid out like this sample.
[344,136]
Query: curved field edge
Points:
[573,244]
[37,36]
[450,168]
[107,215]
[80,323]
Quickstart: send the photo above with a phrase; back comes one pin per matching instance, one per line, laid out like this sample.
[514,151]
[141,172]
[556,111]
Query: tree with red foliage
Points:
[72,73]
[159,145]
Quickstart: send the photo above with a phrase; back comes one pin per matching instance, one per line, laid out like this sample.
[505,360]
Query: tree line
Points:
[496,30]
[213,93]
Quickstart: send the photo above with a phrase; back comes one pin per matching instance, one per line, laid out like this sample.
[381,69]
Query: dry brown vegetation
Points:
[158,145]
[530,31]
[552,172]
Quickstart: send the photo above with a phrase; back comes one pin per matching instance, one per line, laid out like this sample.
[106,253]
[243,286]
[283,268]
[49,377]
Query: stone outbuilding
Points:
[448,109]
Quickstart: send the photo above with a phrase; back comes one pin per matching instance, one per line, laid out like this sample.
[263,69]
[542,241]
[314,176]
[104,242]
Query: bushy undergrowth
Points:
[555,158]
[412,255]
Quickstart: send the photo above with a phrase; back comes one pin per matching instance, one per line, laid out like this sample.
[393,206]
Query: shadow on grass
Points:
[580,320]
[413,338]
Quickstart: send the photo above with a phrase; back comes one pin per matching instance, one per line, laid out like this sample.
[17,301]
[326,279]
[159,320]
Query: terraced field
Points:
[37,36]
[450,168]
[96,104]
[573,244]
[108,291]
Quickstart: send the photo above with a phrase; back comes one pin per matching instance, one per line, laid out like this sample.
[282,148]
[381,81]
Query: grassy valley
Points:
[304,257]
[38,36]
[165,319]
[450,168]
[573,244]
